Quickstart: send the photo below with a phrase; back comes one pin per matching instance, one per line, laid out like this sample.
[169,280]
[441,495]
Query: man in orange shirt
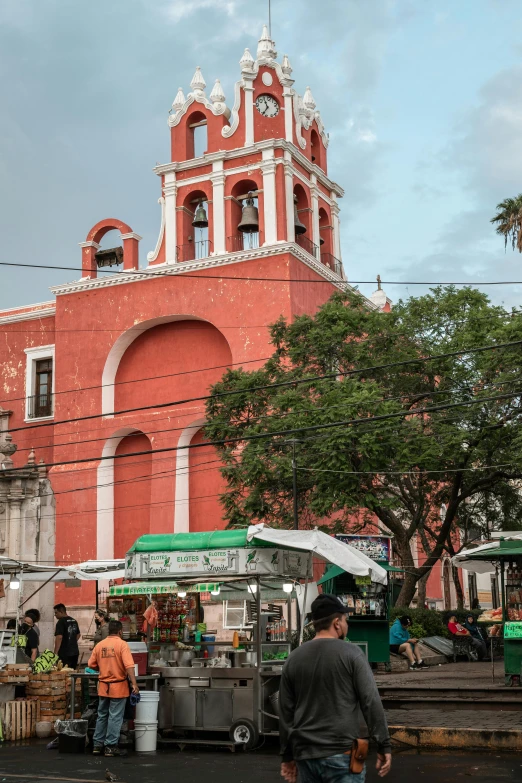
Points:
[113,659]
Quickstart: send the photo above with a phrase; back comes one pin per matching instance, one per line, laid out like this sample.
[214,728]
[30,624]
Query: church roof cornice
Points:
[240,152]
[211,263]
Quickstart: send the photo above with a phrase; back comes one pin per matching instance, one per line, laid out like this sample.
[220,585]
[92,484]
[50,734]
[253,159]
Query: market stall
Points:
[235,689]
[47,690]
[504,557]
[368,602]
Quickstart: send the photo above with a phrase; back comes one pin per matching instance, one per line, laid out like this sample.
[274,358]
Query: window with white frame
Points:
[39,382]
[235,615]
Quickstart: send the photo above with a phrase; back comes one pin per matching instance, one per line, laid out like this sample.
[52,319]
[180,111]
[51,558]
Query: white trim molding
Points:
[34,355]
[105,494]
[210,157]
[28,315]
[225,260]
[112,362]
[182,487]
[153,254]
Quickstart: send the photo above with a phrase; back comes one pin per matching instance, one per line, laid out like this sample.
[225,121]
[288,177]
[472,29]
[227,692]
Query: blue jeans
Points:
[108,723]
[334,769]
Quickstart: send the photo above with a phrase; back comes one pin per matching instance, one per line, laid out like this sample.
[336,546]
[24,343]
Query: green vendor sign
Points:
[160,588]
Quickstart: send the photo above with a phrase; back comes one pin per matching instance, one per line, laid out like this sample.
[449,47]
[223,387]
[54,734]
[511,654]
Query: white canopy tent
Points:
[465,558]
[88,571]
[325,547]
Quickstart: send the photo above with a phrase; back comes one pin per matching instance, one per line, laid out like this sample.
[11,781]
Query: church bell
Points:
[200,217]
[299,227]
[250,216]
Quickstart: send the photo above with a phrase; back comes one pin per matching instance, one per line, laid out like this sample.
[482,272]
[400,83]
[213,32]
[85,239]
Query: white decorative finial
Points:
[198,83]
[217,95]
[266,47]
[285,66]
[179,100]
[308,100]
[247,61]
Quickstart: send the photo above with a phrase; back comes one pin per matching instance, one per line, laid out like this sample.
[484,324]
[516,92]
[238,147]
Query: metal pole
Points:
[294,486]
[259,657]
[41,587]
[303,613]
[502,592]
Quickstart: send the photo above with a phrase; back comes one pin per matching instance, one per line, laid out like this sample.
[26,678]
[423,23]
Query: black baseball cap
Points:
[325,605]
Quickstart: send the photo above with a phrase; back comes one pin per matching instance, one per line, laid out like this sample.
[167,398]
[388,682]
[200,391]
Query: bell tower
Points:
[250,177]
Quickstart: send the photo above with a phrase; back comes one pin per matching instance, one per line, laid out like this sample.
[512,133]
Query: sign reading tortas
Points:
[215,562]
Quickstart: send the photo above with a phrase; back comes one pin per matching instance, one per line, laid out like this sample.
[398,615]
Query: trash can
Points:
[72,735]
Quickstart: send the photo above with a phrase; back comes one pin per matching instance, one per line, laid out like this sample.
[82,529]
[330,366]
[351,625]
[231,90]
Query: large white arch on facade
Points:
[181,498]
[120,346]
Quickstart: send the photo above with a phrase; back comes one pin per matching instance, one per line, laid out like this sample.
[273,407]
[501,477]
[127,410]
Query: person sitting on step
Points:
[401,643]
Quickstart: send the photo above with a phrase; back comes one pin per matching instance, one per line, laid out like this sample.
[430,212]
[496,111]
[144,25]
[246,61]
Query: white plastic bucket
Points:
[145,736]
[147,707]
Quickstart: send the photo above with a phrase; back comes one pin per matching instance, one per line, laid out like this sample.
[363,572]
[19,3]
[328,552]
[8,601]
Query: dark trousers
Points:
[480,647]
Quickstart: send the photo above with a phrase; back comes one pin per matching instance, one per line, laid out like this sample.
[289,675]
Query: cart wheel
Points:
[244,732]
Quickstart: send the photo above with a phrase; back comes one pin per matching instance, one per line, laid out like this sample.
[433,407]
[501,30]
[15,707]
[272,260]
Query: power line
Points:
[294,431]
[149,378]
[131,272]
[284,415]
[164,459]
[506,314]
[281,384]
[415,472]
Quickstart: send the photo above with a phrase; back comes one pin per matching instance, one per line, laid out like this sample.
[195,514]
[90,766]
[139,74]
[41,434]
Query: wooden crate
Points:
[19,719]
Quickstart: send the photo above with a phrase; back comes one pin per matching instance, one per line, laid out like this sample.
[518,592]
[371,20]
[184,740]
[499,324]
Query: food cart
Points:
[236,692]
[505,557]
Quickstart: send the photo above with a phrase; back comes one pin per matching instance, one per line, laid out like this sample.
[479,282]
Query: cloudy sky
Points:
[422,100]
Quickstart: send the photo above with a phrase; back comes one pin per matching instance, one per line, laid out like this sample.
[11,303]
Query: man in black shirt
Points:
[323,685]
[27,630]
[66,637]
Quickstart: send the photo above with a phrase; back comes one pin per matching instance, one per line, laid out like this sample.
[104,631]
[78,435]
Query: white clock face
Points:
[267,106]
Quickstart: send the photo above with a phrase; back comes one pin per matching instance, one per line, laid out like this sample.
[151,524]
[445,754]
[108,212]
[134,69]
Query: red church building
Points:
[107,381]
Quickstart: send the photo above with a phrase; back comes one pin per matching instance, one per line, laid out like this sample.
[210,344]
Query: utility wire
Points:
[284,415]
[148,378]
[286,433]
[131,272]
[142,329]
[280,384]
[168,458]
[509,315]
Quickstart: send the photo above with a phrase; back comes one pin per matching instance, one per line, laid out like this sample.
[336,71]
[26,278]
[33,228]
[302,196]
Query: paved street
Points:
[33,763]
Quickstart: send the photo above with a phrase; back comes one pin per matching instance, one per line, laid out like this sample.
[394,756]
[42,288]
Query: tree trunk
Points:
[412,575]
[408,590]
[458,588]
[421,591]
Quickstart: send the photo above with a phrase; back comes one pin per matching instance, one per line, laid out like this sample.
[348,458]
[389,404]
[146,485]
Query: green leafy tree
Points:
[508,221]
[424,448]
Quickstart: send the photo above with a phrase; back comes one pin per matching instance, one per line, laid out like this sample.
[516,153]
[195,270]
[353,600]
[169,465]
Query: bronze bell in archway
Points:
[200,217]
[299,227]
[249,217]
